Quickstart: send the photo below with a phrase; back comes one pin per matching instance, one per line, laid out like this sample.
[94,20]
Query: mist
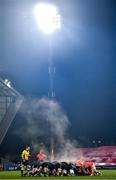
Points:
[46,121]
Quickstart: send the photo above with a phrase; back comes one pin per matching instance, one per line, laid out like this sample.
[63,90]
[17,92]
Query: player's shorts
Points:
[25,162]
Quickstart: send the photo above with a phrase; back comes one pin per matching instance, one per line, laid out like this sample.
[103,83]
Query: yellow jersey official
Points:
[25,159]
[25,155]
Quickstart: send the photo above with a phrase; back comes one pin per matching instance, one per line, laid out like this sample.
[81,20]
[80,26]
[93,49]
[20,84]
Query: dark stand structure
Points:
[10,101]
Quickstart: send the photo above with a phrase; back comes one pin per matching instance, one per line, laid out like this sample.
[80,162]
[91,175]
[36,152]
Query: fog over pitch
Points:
[84,56]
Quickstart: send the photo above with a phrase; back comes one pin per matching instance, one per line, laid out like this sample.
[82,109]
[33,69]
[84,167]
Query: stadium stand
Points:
[104,155]
[10,101]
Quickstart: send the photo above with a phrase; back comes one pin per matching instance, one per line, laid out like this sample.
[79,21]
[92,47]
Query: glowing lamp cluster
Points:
[47,17]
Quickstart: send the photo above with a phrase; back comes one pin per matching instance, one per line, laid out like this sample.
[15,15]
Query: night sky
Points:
[84,57]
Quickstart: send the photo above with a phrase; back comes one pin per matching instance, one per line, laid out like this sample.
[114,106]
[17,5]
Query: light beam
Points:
[47,17]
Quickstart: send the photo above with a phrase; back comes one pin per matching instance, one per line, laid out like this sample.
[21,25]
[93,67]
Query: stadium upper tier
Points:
[10,101]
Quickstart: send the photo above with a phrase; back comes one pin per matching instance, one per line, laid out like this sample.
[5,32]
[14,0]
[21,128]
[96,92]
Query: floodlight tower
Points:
[49,20]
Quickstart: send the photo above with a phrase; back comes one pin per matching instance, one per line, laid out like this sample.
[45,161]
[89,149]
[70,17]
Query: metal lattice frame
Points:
[10,101]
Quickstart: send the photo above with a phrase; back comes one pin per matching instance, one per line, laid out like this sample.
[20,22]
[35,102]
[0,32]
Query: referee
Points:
[25,159]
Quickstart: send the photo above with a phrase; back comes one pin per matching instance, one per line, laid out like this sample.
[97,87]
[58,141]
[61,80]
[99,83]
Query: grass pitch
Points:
[14,175]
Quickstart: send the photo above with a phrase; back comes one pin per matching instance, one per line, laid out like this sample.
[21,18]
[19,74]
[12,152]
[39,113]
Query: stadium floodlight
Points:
[47,17]
[48,20]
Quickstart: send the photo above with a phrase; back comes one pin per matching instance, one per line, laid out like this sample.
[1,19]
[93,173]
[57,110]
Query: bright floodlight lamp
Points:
[47,17]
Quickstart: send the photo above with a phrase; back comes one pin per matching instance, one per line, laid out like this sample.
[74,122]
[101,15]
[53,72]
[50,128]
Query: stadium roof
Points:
[10,101]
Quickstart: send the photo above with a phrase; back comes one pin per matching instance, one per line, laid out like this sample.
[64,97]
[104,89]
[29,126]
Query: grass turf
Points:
[106,174]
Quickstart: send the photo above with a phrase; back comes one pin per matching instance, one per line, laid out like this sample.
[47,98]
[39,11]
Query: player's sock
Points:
[22,173]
